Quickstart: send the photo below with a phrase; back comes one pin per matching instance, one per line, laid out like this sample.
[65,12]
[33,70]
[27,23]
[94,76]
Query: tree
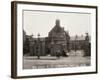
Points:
[26,46]
[67,40]
[87,46]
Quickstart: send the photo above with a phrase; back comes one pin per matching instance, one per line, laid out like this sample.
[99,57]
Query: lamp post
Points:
[76,44]
[38,52]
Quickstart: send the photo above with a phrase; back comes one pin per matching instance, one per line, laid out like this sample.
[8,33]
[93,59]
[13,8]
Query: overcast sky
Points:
[35,22]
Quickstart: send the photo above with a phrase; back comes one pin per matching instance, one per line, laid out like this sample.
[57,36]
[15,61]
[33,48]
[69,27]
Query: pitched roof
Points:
[57,28]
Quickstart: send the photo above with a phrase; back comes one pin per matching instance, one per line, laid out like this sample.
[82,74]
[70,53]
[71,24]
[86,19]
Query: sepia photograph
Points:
[53,39]
[56,39]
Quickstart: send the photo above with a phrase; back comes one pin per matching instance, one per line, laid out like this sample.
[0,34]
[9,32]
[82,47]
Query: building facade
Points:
[57,41]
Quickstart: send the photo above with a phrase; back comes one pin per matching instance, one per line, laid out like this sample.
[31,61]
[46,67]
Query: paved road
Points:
[31,62]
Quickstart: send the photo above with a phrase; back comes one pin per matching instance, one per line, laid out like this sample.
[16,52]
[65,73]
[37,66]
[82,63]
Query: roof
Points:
[57,28]
[78,38]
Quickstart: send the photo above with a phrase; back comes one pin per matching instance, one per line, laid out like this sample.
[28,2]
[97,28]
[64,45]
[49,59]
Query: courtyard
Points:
[73,60]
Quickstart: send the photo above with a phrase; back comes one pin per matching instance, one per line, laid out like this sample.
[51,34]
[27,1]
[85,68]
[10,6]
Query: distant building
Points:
[77,42]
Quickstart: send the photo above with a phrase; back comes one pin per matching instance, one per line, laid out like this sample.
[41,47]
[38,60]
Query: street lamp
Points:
[38,52]
[76,43]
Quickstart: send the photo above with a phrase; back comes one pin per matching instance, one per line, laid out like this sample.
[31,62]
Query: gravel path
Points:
[30,62]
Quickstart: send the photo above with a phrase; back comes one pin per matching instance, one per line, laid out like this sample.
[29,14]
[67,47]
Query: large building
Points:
[57,41]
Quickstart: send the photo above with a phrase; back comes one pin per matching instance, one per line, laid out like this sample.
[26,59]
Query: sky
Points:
[42,22]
